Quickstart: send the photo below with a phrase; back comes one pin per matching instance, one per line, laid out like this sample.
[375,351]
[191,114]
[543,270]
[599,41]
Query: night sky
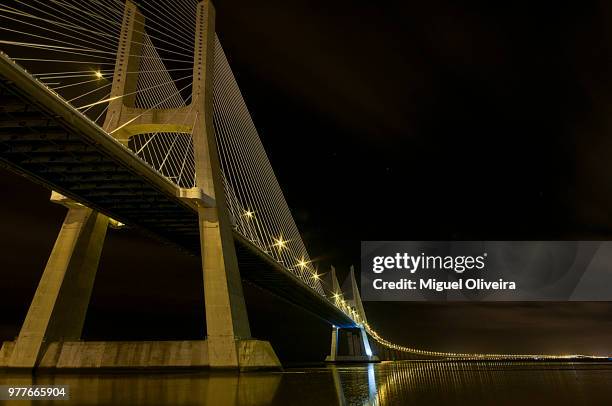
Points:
[413,121]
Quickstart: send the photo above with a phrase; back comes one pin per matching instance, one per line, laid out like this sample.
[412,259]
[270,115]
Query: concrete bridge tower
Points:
[57,313]
[350,344]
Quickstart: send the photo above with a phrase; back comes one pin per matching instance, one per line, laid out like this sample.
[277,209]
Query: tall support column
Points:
[365,342]
[58,310]
[333,352]
[127,65]
[226,314]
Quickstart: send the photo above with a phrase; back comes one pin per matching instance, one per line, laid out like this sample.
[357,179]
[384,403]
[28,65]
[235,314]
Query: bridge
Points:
[132,127]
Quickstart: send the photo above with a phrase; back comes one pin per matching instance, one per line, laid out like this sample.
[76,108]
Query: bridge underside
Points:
[261,270]
[79,160]
[48,141]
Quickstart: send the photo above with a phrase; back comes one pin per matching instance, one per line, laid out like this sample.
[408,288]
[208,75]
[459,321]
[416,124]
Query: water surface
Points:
[387,383]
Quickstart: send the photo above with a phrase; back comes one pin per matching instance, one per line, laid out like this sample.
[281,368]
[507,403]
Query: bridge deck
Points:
[47,140]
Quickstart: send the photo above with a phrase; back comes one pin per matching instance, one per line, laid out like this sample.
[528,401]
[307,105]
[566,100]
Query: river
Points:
[387,383]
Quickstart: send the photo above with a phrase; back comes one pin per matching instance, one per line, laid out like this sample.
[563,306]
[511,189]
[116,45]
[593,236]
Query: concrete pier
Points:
[350,345]
[133,355]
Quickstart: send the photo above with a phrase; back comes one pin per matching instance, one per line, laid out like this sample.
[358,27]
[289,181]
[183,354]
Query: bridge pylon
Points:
[350,344]
[55,319]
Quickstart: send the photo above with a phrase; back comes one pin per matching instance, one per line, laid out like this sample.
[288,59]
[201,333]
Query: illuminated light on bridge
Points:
[137,148]
[302,263]
[280,243]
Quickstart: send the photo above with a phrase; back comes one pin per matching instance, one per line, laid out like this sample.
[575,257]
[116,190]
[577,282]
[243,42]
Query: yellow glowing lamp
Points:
[280,243]
[302,263]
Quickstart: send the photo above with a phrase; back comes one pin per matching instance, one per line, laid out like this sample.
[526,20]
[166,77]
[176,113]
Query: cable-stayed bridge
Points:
[131,114]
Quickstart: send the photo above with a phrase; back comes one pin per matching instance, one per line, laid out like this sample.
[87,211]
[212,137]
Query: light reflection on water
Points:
[388,383]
